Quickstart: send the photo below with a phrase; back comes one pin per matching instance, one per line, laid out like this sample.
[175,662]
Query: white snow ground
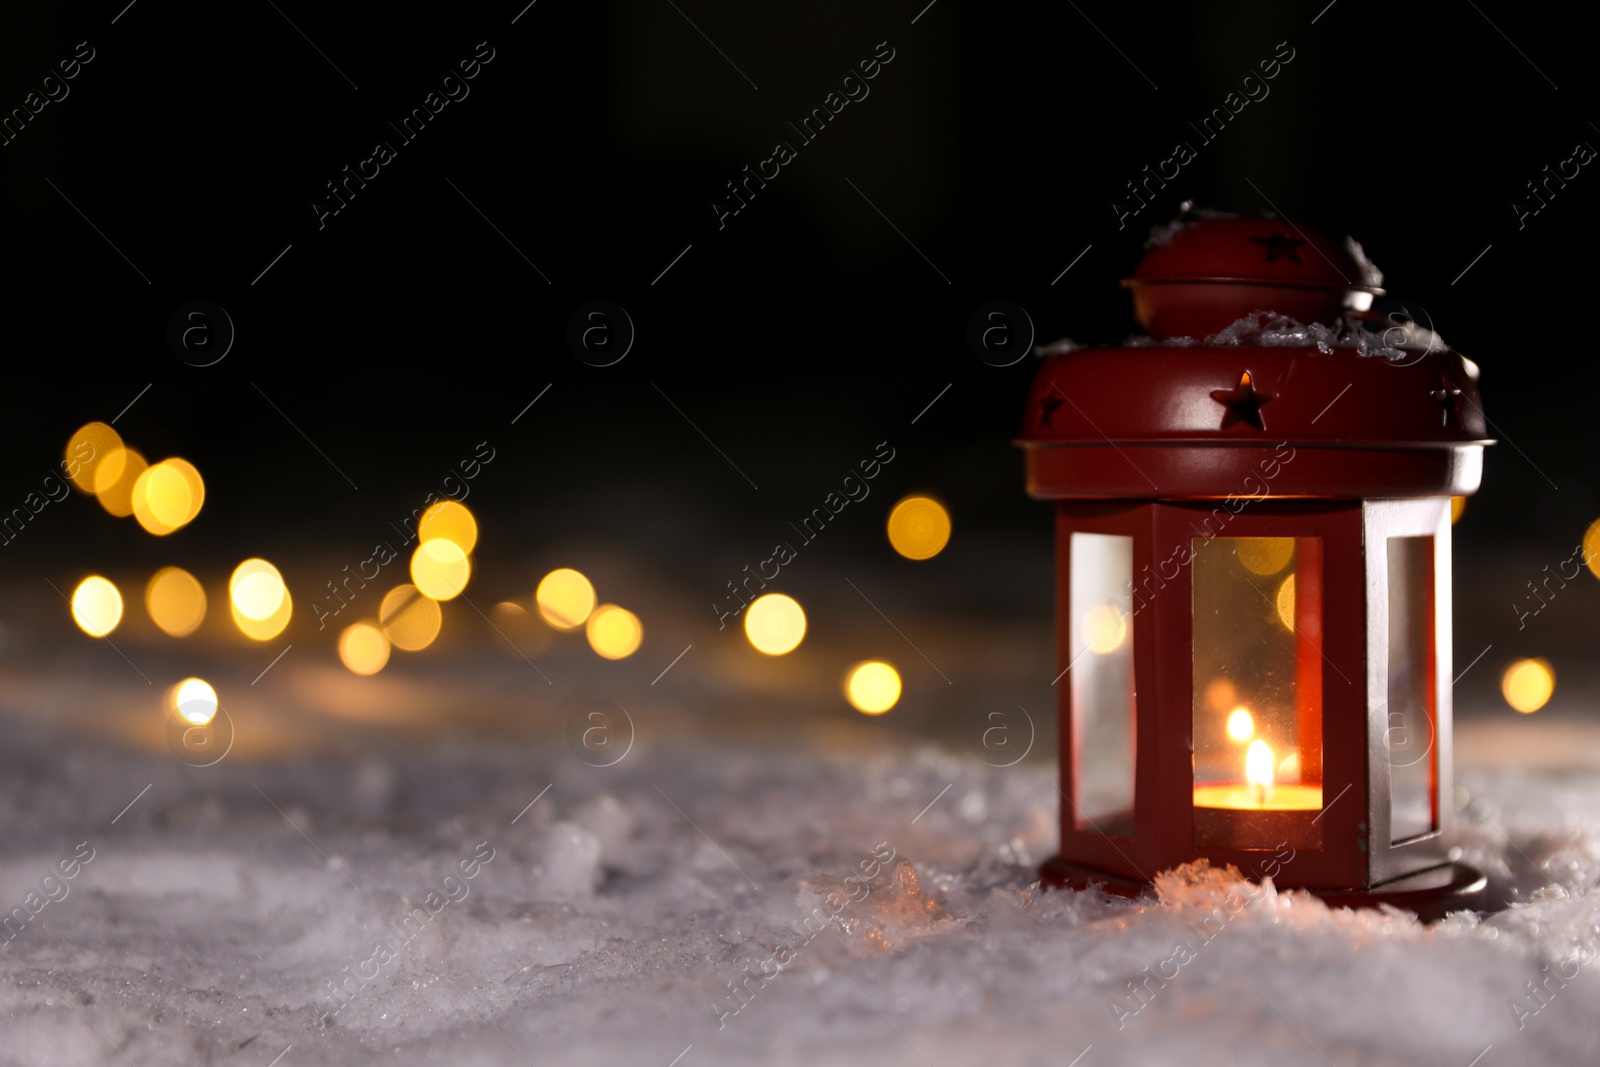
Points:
[611,921]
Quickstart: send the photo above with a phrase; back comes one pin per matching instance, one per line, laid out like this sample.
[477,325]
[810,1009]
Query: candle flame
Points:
[1241,727]
[1258,764]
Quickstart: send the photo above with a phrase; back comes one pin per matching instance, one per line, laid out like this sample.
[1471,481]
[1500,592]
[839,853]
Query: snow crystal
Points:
[1056,348]
[1370,274]
[1397,338]
[730,904]
[571,861]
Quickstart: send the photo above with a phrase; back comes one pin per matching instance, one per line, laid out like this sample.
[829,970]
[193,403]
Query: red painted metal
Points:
[1213,271]
[1172,445]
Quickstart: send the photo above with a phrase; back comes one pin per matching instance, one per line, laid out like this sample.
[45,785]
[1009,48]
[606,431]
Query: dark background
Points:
[795,337]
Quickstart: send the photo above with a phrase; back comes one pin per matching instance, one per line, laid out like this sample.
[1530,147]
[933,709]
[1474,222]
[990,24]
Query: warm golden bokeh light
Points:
[1528,684]
[1285,602]
[410,620]
[775,624]
[1264,555]
[1591,547]
[176,602]
[168,496]
[363,648]
[614,632]
[268,628]
[440,569]
[115,478]
[108,469]
[448,521]
[1104,629]
[1458,504]
[87,452]
[1221,694]
[919,527]
[257,589]
[96,606]
[159,492]
[872,687]
[194,701]
[565,598]
[1241,726]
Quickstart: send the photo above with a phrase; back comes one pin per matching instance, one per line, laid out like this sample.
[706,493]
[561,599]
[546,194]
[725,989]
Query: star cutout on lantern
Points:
[1243,403]
[1279,245]
[1449,398]
[1047,410]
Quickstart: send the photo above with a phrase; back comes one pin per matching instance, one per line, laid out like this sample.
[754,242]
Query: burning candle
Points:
[1260,790]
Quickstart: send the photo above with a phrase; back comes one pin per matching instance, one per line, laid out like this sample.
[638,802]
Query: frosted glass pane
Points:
[1100,643]
[1410,736]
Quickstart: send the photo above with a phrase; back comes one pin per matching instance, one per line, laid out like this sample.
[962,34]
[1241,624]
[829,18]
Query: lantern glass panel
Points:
[1257,726]
[1101,650]
[1411,732]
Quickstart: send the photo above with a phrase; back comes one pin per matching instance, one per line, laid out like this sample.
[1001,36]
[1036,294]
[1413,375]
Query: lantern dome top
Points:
[1261,347]
[1200,275]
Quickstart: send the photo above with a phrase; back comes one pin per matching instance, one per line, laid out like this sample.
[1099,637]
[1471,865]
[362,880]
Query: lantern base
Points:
[1059,873]
[1432,894]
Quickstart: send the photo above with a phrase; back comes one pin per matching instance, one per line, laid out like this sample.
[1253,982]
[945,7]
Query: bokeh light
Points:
[96,606]
[1591,547]
[176,601]
[194,701]
[919,527]
[363,648]
[1241,726]
[87,452]
[1528,684]
[259,600]
[1221,694]
[107,470]
[268,628]
[1104,629]
[448,520]
[410,620]
[614,632]
[115,478]
[1285,602]
[257,589]
[565,598]
[1263,555]
[167,496]
[1458,504]
[775,624]
[440,569]
[872,687]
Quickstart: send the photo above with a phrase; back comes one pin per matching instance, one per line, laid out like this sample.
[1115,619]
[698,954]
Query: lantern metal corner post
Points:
[1253,552]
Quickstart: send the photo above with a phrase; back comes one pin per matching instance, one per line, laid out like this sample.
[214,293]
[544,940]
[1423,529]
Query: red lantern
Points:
[1253,551]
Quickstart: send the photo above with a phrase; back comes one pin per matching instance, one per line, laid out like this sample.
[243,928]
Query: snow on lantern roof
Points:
[1398,339]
